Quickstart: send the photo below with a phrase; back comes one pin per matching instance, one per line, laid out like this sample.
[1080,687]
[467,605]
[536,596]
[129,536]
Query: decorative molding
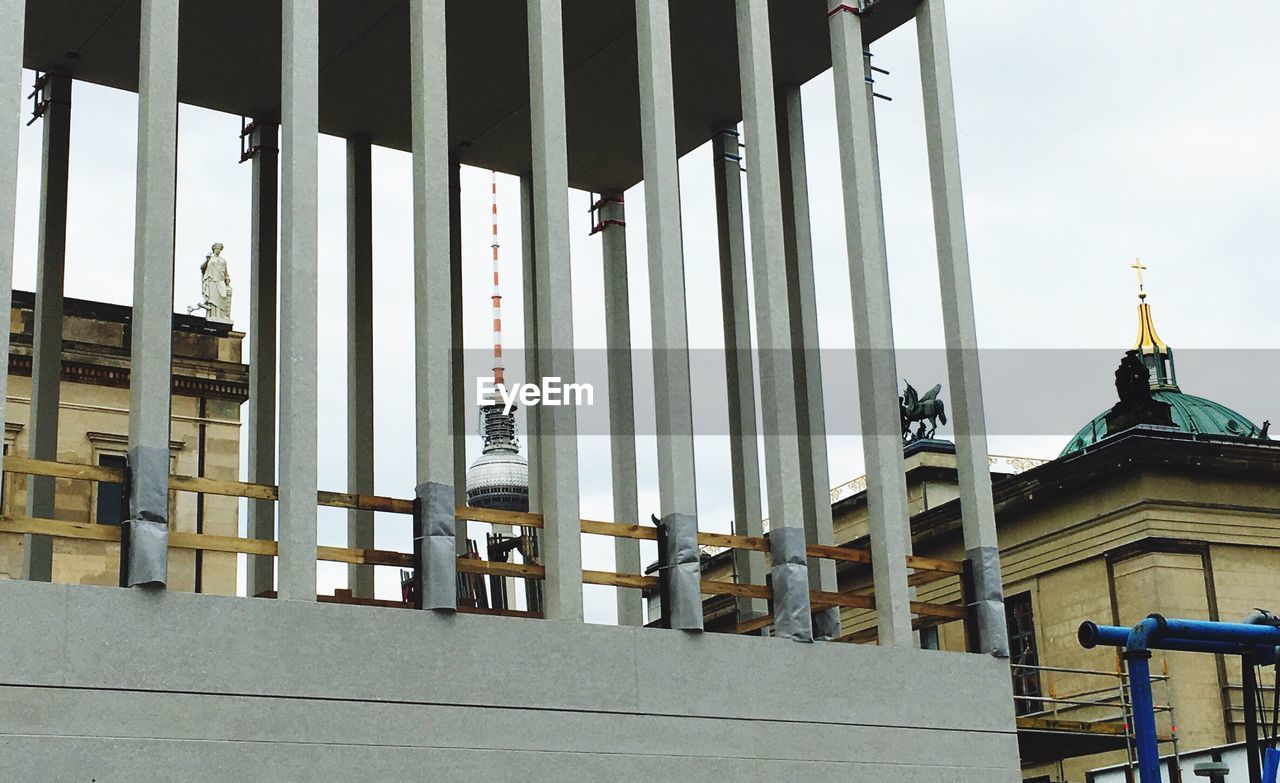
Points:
[118,377]
[111,439]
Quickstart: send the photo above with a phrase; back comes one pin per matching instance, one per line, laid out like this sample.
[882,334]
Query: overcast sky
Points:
[1086,140]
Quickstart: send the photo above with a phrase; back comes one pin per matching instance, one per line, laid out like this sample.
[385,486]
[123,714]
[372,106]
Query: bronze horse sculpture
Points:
[917,410]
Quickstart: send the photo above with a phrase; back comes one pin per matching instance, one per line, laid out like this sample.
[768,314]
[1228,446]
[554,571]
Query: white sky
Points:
[1086,139]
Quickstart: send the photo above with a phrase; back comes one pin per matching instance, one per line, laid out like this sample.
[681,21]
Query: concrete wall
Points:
[108,684]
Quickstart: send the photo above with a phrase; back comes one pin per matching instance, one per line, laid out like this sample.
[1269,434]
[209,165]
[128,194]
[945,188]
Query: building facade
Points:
[210,383]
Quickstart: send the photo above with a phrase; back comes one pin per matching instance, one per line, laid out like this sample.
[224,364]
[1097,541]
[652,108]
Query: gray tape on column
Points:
[438,576]
[792,617]
[988,601]
[683,571]
[145,558]
[826,624]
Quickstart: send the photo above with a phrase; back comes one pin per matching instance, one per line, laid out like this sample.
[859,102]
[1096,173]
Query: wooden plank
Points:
[611,579]
[41,467]
[753,543]
[935,564]
[494,516]
[822,600]
[468,565]
[619,530]
[842,553]
[337,554]
[949,611]
[754,625]
[235,489]
[210,543]
[733,588]
[927,577]
[53,527]
[364,502]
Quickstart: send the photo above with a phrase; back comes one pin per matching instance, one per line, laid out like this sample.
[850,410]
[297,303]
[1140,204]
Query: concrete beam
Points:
[674,398]
[977,512]
[530,299]
[433,291]
[773,318]
[11,43]
[558,427]
[457,355]
[622,408]
[807,359]
[144,560]
[873,330]
[46,348]
[744,447]
[298,301]
[360,439]
[261,432]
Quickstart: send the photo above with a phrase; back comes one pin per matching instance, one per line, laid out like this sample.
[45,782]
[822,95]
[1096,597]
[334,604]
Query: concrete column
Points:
[744,448]
[807,360]
[622,408]
[299,110]
[46,348]
[261,432]
[674,400]
[144,556]
[11,43]
[977,512]
[558,426]
[456,354]
[433,301]
[530,299]
[873,331]
[360,531]
[773,322]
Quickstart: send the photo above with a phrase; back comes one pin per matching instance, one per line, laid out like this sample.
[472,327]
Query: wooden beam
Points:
[842,553]
[754,625]
[935,564]
[364,502]
[948,611]
[467,565]
[611,579]
[733,588]
[754,543]
[822,600]
[618,530]
[497,517]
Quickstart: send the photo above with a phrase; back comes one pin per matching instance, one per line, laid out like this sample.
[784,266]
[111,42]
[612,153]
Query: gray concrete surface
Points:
[111,684]
[264,277]
[360,460]
[46,347]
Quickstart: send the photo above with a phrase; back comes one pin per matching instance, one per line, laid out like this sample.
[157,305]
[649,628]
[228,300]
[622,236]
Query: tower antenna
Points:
[497,291]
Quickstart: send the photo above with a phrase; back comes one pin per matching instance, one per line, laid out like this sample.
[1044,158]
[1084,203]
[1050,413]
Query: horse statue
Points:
[918,410]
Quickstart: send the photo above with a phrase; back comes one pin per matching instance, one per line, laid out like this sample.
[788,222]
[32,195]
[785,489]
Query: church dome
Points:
[1191,414]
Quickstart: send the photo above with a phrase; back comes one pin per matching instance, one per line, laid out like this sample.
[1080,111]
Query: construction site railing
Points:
[926,569]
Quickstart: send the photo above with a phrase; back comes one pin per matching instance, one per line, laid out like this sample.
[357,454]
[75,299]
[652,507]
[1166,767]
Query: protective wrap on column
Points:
[987,601]
[436,547]
[683,571]
[826,623]
[144,536]
[790,576]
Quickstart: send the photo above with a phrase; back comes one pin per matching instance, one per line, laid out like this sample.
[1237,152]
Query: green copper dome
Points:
[1192,414]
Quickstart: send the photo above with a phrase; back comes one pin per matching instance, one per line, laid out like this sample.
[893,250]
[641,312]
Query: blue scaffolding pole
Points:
[1254,640]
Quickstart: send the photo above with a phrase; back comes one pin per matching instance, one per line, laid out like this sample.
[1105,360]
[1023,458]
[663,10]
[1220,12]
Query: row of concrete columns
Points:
[790,406]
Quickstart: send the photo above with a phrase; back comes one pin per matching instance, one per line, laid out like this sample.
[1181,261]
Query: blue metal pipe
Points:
[1237,633]
[1137,656]
[1093,635]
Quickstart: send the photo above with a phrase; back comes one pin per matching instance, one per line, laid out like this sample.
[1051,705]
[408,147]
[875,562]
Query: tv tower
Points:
[499,478]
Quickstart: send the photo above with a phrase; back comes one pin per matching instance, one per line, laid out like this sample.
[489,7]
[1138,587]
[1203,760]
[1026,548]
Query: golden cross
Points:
[1137,265]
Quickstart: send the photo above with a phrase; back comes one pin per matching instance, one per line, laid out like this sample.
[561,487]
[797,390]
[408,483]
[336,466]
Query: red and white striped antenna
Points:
[497,292]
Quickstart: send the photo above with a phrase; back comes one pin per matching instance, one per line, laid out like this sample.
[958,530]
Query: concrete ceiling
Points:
[230,61]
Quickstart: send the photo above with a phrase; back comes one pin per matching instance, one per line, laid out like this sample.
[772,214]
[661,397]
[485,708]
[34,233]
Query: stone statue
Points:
[215,285]
[916,410]
[1133,381]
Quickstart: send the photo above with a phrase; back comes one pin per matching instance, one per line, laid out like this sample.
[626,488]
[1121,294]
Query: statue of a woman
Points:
[216,285]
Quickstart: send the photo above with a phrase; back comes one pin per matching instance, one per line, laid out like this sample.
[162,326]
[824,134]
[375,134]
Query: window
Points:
[1023,654]
[110,493]
[929,638]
